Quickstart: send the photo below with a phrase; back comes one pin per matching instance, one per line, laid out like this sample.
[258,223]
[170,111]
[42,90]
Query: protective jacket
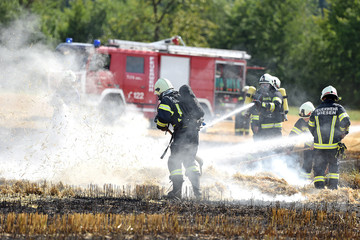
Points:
[169,111]
[329,123]
[267,112]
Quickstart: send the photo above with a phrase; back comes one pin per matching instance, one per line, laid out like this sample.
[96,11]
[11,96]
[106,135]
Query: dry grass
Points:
[276,223]
[273,222]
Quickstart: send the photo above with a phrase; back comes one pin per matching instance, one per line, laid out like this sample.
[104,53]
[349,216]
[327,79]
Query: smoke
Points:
[68,143]
[25,62]
[79,150]
[253,160]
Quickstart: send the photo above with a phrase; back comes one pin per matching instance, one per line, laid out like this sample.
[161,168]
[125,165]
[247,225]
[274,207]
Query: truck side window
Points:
[135,64]
[100,62]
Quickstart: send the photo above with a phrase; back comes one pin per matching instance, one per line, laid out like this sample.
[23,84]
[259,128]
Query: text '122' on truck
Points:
[122,72]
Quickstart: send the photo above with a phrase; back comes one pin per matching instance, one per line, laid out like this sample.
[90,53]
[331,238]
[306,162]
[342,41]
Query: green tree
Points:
[153,20]
[52,18]
[341,49]
[275,33]
[9,11]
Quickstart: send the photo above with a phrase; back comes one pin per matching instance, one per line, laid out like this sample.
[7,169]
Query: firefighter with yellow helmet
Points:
[267,113]
[185,138]
[301,127]
[329,124]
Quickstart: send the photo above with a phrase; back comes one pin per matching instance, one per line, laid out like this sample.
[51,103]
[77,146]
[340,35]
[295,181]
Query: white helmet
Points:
[277,82]
[267,78]
[306,109]
[161,85]
[329,90]
[245,88]
[69,77]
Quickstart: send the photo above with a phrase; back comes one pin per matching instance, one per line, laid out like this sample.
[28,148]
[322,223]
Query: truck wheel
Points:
[111,108]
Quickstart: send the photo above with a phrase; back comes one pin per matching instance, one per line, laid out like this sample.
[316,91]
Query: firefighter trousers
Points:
[324,158]
[183,152]
[242,124]
[308,161]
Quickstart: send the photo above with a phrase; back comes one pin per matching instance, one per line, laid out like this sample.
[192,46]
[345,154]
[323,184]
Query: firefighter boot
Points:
[195,182]
[333,184]
[175,193]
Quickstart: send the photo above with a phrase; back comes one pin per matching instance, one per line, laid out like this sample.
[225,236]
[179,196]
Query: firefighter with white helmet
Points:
[301,127]
[65,93]
[329,124]
[242,119]
[266,114]
[66,90]
[185,139]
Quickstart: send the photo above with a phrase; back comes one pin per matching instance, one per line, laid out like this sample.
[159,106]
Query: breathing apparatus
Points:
[285,102]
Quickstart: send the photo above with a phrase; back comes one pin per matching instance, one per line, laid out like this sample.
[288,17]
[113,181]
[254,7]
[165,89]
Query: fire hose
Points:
[197,158]
[339,154]
[273,155]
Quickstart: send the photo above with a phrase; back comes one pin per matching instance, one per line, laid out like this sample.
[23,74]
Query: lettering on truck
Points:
[137,95]
[151,74]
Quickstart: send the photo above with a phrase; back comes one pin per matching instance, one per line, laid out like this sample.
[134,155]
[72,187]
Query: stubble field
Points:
[44,209]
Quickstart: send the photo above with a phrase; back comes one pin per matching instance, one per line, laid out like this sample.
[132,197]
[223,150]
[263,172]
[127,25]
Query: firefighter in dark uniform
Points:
[267,113]
[242,119]
[301,126]
[329,124]
[185,139]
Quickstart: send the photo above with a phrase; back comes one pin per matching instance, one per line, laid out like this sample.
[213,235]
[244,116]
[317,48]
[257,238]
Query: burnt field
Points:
[83,180]
[126,218]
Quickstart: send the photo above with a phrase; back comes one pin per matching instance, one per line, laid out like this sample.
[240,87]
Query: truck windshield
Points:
[74,56]
[99,61]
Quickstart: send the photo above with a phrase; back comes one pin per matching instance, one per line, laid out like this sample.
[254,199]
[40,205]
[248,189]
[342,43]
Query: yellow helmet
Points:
[161,85]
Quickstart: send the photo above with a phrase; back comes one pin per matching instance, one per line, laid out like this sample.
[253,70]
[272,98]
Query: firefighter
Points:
[267,113]
[301,127]
[65,93]
[329,124]
[185,139]
[242,120]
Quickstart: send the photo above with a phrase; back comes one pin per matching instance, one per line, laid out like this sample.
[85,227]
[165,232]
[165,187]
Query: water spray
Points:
[230,114]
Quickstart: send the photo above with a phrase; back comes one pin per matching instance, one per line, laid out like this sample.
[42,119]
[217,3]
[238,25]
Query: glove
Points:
[265,105]
[341,151]
[257,99]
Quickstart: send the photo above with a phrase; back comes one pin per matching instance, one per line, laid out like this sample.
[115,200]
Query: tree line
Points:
[308,44]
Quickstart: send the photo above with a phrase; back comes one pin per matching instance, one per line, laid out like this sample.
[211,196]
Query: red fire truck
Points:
[124,72]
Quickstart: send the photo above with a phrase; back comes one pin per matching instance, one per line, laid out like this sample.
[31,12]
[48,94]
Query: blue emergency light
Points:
[68,40]
[97,43]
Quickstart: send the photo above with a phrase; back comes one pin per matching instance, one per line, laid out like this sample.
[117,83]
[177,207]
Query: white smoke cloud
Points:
[74,147]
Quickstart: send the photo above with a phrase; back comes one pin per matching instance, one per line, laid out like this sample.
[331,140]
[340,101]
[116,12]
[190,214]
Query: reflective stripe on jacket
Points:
[169,111]
[269,113]
[328,123]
